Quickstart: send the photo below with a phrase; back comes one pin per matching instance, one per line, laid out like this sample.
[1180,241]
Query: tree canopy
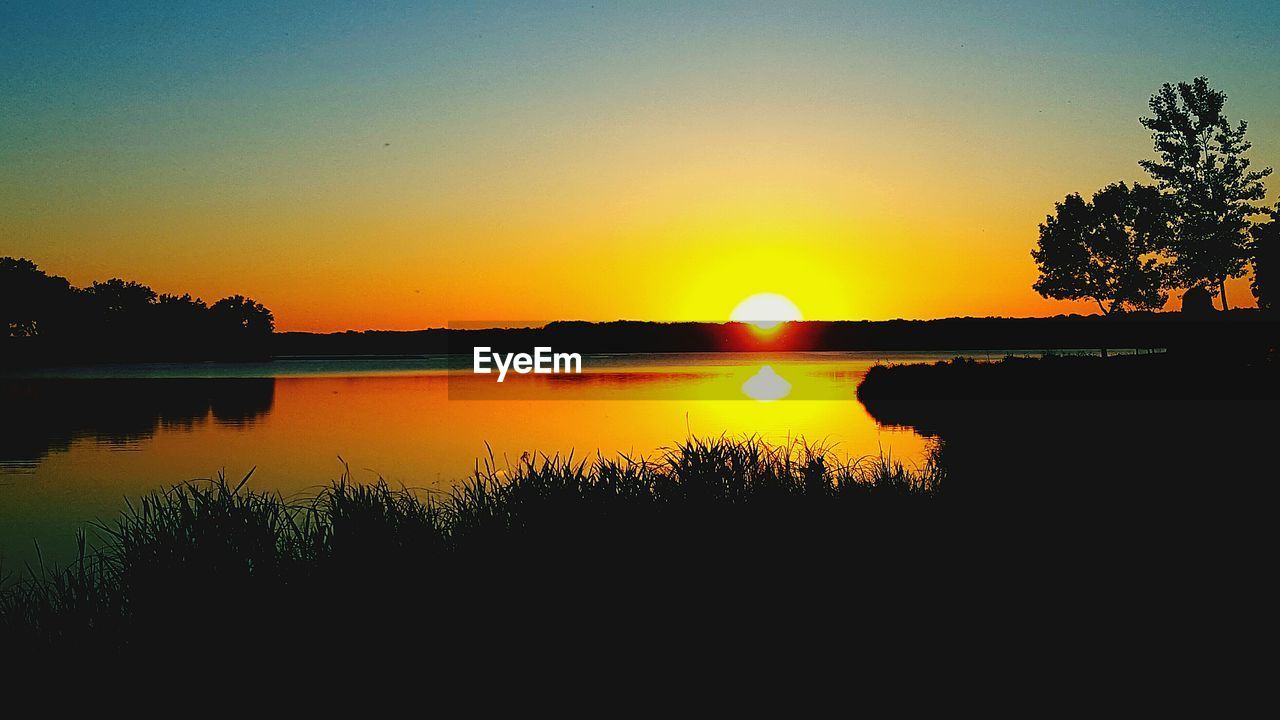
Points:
[31,302]
[1203,171]
[46,316]
[1105,249]
[1193,230]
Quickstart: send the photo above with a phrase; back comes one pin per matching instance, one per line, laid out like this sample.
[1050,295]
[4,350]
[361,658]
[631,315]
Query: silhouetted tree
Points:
[176,311]
[1203,169]
[1197,301]
[243,314]
[120,301]
[241,326]
[1104,250]
[184,322]
[31,301]
[44,319]
[1266,249]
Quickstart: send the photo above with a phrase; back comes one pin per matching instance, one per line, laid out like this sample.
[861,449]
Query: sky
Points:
[398,166]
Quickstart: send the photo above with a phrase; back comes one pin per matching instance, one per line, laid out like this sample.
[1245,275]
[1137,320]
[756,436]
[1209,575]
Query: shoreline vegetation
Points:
[222,560]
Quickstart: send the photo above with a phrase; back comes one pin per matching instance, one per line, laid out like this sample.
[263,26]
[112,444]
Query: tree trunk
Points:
[1222,292]
[1106,312]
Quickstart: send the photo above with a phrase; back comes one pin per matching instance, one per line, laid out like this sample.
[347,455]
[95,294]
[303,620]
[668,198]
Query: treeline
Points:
[45,319]
[1199,225]
[1241,332]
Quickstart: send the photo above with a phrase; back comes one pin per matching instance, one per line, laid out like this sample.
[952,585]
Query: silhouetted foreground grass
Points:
[555,548]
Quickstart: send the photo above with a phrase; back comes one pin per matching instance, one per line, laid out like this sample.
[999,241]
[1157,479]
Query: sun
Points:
[765,311]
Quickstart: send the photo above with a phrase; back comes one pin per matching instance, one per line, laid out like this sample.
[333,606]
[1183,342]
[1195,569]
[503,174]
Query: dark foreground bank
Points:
[1061,430]
[1118,511]
[1212,375]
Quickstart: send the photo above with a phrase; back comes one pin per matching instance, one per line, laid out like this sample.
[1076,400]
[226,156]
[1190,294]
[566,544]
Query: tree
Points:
[1197,302]
[1203,170]
[43,317]
[178,312]
[180,326]
[121,301]
[242,317]
[1105,250]
[1266,262]
[31,301]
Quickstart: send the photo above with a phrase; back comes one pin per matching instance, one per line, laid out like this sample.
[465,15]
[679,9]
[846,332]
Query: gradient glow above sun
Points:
[765,311]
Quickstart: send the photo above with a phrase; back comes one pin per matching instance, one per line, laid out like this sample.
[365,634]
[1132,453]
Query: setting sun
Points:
[766,311]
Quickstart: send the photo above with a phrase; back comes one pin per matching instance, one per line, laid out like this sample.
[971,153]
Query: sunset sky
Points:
[377,165]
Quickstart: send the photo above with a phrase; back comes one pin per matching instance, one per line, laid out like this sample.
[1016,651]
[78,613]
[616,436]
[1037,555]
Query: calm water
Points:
[84,439]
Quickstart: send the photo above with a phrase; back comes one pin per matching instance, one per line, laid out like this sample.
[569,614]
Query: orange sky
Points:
[410,169]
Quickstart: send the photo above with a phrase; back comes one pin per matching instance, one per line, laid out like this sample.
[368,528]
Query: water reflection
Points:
[766,385]
[47,416]
[656,383]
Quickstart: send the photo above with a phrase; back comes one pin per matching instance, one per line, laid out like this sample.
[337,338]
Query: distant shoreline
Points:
[1063,332]
[1173,330]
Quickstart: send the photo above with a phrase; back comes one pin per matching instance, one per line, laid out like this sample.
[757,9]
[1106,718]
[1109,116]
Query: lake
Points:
[81,440]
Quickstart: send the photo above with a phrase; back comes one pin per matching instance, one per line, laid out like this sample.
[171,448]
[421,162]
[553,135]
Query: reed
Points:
[220,555]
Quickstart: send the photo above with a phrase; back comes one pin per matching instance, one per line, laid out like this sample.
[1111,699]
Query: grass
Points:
[218,559]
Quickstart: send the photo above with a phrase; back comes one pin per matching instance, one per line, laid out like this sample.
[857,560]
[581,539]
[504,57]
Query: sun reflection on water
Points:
[766,385]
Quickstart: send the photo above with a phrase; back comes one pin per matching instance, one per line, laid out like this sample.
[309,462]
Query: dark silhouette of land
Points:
[1115,489]
[1238,330]
[1129,445]
[1172,375]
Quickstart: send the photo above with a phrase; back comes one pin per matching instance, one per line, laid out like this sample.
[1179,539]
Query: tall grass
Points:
[220,554]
